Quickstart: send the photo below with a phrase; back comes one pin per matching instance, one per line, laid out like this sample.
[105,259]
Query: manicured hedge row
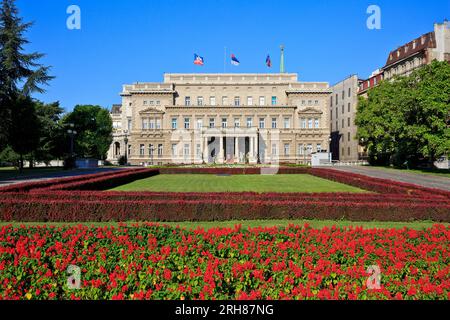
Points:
[251,170]
[176,210]
[139,196]
[106,182]
[52,183]
[376,184]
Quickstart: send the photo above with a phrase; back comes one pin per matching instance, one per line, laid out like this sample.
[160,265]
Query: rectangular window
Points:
[274,123]
[224,101]
[310,123]
[174,123]
[150,150]
[348,122]
[199,101]
[158,123]
[237,122]
[274,149]
[249,101]
[316,123]
[343,95]
[174,149]
[349,92]
[141,150]
[129,126]
[309,149]
[262,101]
[199,123]
[303,102]
[316,102]
[212,101]
[249,122]
[151,124]
[348,151]
[187,101]
[303,123]
[144,124]
[274,101]
[186,150]
[152,102]
[337,99]
[331,101]
[337,113]
[198,150]
[261,123]
[343,124]
[145,102]
[160,150]
[337,126]
[286,149]
[212,123]
[287,123]
[187,123]
[348,107]
[331,114]
[309,102]
[224,122]
[158,102]
[301,149]
[343,109]
[348,136]
[237,101]
[319,147]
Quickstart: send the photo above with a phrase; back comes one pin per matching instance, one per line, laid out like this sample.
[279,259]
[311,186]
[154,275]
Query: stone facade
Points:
[221,118]
[343,103]
[431,46]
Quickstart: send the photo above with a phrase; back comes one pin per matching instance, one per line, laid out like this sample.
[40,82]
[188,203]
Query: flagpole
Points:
[224,59]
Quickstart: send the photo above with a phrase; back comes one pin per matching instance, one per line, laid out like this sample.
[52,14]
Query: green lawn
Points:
[236,183]
[316,224]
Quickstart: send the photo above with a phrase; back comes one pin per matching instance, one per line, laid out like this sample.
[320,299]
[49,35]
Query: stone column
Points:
[221,153]
[236,150]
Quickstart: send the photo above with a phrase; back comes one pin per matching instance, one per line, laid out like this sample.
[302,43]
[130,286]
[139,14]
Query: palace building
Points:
[221,118]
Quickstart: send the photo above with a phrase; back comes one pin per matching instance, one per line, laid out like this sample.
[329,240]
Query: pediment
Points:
[151,111]
[310,111]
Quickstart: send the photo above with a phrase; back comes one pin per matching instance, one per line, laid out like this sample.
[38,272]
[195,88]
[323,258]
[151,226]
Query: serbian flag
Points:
[198,60]
[234,60]
[268,61]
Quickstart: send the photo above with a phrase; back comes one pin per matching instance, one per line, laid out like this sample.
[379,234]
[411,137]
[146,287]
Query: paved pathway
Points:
[52,175]
[425,180]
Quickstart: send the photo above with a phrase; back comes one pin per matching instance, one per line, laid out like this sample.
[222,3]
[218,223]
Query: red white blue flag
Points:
[234,60]
[198,60]
[268,61]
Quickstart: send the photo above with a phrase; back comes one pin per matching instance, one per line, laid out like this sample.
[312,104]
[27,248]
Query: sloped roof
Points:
[419,44]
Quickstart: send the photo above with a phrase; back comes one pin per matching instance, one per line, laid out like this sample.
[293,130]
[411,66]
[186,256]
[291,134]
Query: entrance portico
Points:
[230,145]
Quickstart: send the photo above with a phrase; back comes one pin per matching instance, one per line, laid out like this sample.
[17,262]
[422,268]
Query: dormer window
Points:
[414,44]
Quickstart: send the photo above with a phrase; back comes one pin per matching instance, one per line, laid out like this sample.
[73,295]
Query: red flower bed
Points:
[244,170]
[210,210]
[157,262]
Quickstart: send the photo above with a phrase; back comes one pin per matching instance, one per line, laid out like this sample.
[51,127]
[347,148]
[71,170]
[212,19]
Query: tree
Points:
[20,73]
[406,120]
[51,134]
[24,131]
[94,130]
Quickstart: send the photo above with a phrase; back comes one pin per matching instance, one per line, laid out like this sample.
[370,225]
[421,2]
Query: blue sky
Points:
[124,41]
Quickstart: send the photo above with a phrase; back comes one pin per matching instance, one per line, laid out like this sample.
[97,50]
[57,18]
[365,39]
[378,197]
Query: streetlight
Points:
[329,151]
[125,140]
[72,134]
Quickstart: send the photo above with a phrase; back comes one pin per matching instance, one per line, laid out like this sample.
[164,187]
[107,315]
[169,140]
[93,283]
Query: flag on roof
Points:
[198,60]
[268,61]
[234,60]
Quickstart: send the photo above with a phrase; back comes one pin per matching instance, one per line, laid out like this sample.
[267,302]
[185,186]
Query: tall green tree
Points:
[406,120]
[51,133]
[94,130]
[25,128]
[20,73]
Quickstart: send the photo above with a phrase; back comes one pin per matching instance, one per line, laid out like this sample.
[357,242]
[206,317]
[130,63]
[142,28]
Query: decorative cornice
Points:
[151,111]
[310,111]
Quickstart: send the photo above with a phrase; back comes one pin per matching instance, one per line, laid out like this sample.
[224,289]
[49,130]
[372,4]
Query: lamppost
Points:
[125,140]
[329,150]
[72,134]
